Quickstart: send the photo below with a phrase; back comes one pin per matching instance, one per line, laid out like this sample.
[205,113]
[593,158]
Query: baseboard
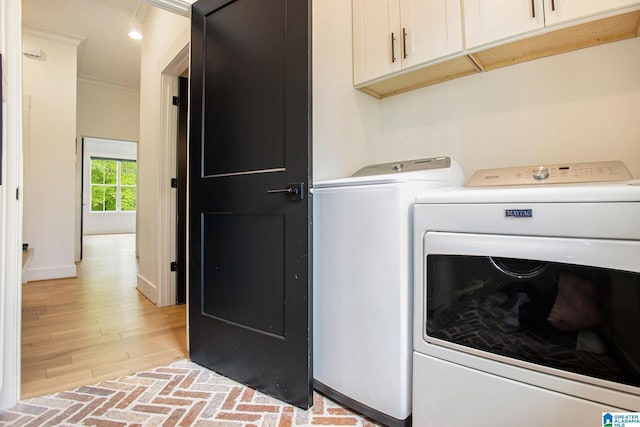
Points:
[50,273]
[27,255]
[148,289]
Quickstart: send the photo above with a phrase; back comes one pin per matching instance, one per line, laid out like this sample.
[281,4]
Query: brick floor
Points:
[181,394]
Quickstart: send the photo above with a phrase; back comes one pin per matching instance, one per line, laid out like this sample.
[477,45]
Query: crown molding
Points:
[57,36]
[179,7]
[110,84]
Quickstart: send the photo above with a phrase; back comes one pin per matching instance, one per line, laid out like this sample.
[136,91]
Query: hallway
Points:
[97,326]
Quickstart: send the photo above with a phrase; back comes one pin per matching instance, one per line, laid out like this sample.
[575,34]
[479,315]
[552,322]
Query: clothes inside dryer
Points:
[570,317]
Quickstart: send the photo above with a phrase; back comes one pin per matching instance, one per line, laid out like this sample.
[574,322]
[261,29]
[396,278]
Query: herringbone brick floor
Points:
[181,394]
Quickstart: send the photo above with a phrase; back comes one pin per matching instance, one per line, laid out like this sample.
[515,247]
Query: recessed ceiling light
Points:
[135,35]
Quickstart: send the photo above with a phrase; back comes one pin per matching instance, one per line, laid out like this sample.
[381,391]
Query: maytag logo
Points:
[518,213]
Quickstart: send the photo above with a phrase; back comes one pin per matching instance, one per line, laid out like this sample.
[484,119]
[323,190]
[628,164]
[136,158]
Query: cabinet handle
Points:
[393,47]
[553,5]
[404,43]
[533,8]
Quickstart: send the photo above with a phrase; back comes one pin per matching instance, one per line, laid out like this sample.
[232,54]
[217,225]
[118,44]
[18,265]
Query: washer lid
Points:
[441,169]
[405,166]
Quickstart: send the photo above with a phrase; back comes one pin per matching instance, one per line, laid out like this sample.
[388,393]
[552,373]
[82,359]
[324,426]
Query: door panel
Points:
[249,250]
[249,290]
[376,39]
[433,30]
[245,67]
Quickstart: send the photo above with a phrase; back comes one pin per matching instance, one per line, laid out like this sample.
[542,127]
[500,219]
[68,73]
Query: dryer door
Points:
[564,306]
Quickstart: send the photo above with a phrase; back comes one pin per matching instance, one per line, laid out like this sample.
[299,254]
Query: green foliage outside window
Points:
[113,181]
[128,176]
[128,199]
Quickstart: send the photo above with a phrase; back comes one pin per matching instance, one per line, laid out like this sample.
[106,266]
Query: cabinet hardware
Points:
[393,47]
[533,8]
[404,43]
[553,5]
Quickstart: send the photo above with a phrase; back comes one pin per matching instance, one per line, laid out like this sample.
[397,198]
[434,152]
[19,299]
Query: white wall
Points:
[344,119]
[106,222]
[165,35]
[575,107]
[108,111]
[49,159]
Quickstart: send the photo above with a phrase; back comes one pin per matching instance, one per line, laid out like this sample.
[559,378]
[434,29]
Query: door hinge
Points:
[174,266]
[174,182]
[176,101]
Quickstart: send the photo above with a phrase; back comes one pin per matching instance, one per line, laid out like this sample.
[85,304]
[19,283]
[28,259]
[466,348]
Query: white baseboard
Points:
[49,273]
[148,289]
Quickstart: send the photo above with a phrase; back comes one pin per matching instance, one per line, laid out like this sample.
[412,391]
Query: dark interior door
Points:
[250,214]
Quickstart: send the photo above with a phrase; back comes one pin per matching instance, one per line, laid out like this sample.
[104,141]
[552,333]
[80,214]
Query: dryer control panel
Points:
[563,173]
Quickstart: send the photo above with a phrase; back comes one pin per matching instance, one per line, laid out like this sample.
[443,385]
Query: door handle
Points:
[295,191]
[290,191]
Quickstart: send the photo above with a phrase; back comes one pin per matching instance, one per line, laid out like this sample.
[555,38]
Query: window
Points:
[113,185]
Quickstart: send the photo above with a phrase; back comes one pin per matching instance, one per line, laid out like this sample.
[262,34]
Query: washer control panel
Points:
[405,166]
[564,173]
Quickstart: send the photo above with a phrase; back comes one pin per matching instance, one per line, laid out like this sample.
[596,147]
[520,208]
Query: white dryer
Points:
[362,284]
[527,298]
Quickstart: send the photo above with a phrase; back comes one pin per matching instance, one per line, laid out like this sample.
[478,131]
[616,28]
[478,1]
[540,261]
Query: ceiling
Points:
[106,53]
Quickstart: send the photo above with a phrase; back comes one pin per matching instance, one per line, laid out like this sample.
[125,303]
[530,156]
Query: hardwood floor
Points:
[97,326]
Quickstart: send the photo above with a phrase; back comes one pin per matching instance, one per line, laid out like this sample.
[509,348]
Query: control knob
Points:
[397,166]
[541,172]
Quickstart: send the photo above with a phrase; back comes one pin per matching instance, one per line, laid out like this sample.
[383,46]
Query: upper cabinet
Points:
[430,30]
[486,21]
[376,25]
[490,21]
[394,35]
[400,45]
[558,11]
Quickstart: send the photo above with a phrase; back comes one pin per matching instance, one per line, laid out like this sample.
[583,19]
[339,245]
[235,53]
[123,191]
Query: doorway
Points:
[181,191]
[154,175]
[109,186]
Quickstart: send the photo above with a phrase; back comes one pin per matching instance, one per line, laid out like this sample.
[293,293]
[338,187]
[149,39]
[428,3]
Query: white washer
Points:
[527,298]
[362,284]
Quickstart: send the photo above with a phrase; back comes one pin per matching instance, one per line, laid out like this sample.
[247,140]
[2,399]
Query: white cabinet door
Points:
[488,21]
[557,11]
[376,39]
[430,30]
